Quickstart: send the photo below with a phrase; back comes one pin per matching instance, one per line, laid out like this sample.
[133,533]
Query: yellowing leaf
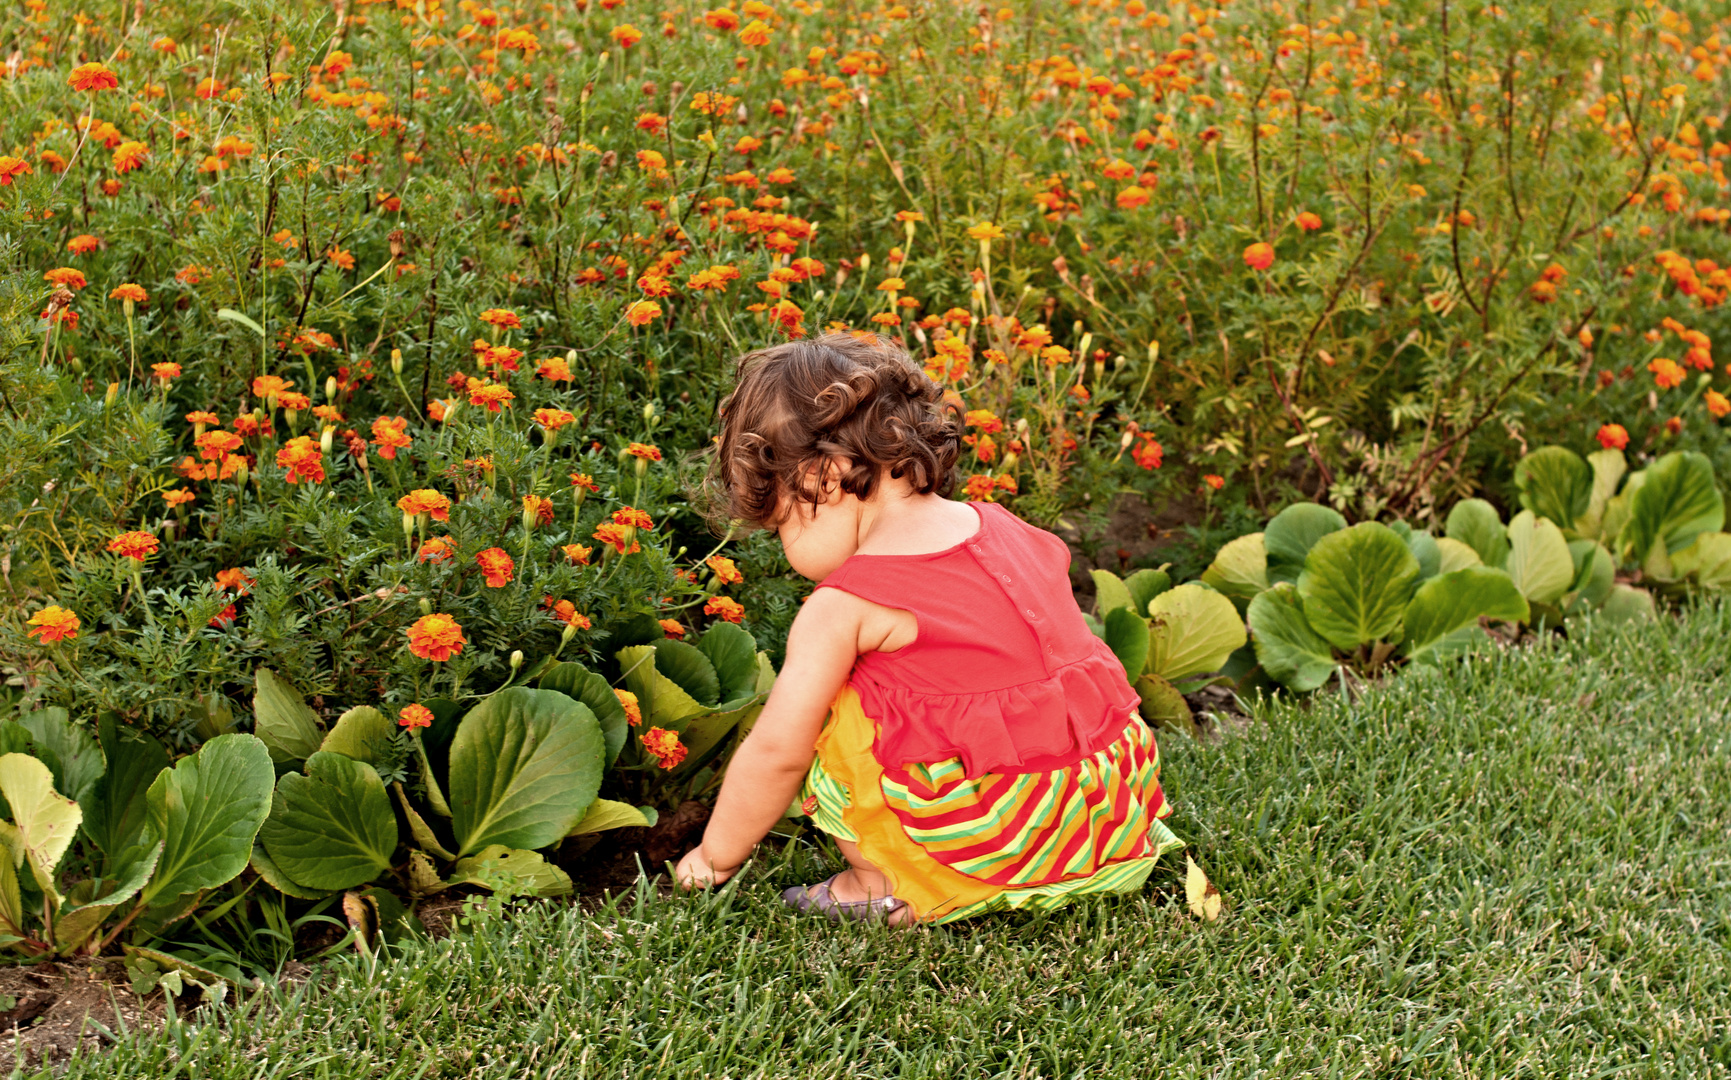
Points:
[1205,899]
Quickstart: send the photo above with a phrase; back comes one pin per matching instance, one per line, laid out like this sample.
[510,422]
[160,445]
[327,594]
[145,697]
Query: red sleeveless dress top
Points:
[1003,673]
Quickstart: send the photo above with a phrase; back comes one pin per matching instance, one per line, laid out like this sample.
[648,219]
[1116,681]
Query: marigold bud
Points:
[516,660]
[396,361]
[330,388]
[113,392]
[327,439]
[426,606]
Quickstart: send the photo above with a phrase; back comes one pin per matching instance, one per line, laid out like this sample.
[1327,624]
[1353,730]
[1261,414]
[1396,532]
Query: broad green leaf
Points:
[1628,604]
[512,871]
[207,809]
[117,813]
[281,718]
[1608,468]
[1454,555]
[70,751]
[1288,649]
[1293,532]
[1611,529]
[1678,501]
[689,669]
[704,734]
[1539,559]
[1444,614]
[1424,548]
[363,733]
[1145,585]
[607,814]
[1595,573]
[1127,636]
[1706,562]
[76,923]
[1555,483]
[43,820]
[419,830]
[1110,592]
[1356,585]
[580,684]
[1475,523]
[12,917]
[732,652]
[1163,705]
[332,828]
[274,877]
[15,738]
[1239,570]
[525,766]
[664,704]
[1193,629]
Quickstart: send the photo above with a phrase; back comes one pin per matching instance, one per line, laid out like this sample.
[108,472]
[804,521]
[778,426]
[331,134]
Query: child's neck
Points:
[896,521]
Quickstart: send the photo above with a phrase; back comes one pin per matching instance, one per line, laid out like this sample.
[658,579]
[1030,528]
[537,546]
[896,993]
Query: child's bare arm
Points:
[767,770]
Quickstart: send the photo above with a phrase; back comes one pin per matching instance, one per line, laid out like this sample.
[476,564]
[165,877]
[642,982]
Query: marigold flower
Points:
[979,488]
[215,445]
[225,618]
[53,623]
[165,372]
[178,497]
[756,32]
[722,19]
[725,607]
[267,385]
[625,35]
[725,570]
[83,244]
[135,545]
[538,508]
[1133,196]
[1308,221]
[93,76]
[492,395]
[984,419]
[303,459]
[415,716]
[665,746]
[614,536]
[66,277]
[1259,256]
[642,312]
[566,612]
[130,155]
[628,702]
[436,637]
[426,501]
[554,369]
[1674,425]
[672,628]
[1717,404]
[11,167]
[553,419]
[497,565]
[985,231]
[436,549]
[234,579]
[1215,482]
[1667,373]
[644,451]
[631,517]
[201,416]
[584,481]
[576,554]
[389,435]
[293,401]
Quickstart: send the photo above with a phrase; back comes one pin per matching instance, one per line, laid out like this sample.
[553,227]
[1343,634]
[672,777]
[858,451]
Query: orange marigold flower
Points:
[266,385]
[1149,453]
[93,76]
[201,416]
[979,487]
[1308,221]
[614,536]
[725,571]
[584,481]
[566,612]
[492,395]
[165,372]
[1259,256]
[83,244]
[415,716]
[503,319]
[723,19]
[577,554]
[1215,482]
[1667,373]
[294,402]
[389,435]
[665,746]
[1133,196]
[225,618]
[672,628]
[215,445]
[985,231]
[642,312]
[11,167]
[628,702]
[631,517]
[725,607]
[436,637]
[756,32]
[625,35]
[130,155]
[303,459]
[234,578]
[66,277]
[554,369]
[53,623]
[496,564]
[984,419]
[1674,425]
[644,451]
[1717,404]
[437,549]
[426,501]
[538,508]
[178,497]
[135,545]
[553,419]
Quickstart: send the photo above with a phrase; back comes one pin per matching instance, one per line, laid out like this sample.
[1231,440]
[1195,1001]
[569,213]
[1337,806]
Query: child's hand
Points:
[696,872]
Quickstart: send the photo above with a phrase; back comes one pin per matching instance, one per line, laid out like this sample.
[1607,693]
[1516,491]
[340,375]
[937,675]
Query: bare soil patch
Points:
[59,1006]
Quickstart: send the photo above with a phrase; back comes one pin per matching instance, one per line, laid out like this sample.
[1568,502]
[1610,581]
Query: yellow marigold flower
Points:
[53,623]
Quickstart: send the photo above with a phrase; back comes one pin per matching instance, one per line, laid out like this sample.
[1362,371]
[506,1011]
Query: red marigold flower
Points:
[566,612]
[134,545]
[584,481]
[1612,436]
[11,167]
[1259,256]
[614,536]
[665,746]
[93,76]
[553,419]
[672,628]
[492,395]
[632,517]
[644,451]
[53,623]
[723,607]
[389,435]
[628,702]
[725,571]
[1667,373]
[436,637]
[1308,221]
[496,564]
[503,319]
[224,619]
[642,312]
[415,716]
[303,459]
[1149,454]
[1674,425]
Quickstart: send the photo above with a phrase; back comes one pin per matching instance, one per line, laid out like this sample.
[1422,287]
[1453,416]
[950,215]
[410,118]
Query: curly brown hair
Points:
[794,406]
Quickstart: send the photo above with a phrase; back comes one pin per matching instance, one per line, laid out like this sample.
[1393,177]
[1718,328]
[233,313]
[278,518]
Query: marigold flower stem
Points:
[132,351]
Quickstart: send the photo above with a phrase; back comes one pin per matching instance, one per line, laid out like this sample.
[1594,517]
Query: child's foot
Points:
[840,898]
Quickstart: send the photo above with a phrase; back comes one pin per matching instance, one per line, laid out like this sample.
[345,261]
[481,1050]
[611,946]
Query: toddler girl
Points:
[943,712]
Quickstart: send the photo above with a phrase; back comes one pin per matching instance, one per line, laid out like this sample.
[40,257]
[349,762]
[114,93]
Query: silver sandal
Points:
[804,898]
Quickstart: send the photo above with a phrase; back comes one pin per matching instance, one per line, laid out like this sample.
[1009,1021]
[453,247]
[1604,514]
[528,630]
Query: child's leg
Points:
[863,881]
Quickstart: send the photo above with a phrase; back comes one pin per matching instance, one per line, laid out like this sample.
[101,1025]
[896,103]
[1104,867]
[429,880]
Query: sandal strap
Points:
[819,898]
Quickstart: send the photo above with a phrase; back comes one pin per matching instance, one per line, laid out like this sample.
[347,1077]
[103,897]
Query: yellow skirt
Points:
[954,847]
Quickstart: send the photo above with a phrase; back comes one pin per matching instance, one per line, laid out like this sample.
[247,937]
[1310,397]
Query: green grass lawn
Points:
[1518,867]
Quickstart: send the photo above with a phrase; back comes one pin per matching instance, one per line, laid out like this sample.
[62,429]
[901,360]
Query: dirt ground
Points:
[61,1005]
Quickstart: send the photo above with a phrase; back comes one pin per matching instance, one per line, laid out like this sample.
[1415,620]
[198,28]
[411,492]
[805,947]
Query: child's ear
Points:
[823,478]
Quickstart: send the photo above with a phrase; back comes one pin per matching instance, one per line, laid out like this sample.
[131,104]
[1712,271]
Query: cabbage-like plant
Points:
[1360,597]
[1171,641]
[103,834]
[706,693]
